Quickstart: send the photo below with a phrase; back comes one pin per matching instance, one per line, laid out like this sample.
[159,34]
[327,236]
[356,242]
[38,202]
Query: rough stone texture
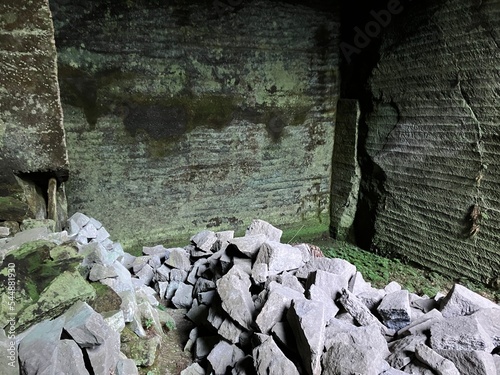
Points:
[431,150]
[262,227]
[462,301]
[269,359]
[439,364]
[206,132]
[279,257]
[31,127]
[471,362]
[346,175]
[395,310]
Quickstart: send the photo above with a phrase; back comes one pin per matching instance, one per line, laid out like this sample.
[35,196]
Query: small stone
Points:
[126,366]
[358,285]
[392,287]
[159,250]
[179,259]
[4,232]
[290,281]
[230,331]
[248,245]
[207,298]
[99,272]
[244,263]
[439,364]
[146,274]
[317,294]
[489,319]
[101,235]
[183,297]
[162,273]
[330,283]
[204,240]
[403,350]
[88,231]
[193,369]
[115,320]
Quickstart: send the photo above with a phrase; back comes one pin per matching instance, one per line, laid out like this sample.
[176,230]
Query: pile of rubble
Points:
[261,306]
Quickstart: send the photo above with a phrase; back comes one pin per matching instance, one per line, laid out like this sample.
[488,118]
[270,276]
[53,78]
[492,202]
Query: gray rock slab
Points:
[204,240]
[489,319]
[126,366]
[204,285]
[424,304]
[248,245]
[4,231]
[94,252]
[371,298]
[278,301]
[115,319]
[290,281]
[418,368]
[359,311]
[146,274]
[171,289]
[403,350]
[230,331]
[259,273]
[155,250]
[207,297]
[422,324]
[460,333]
[215,316]
[496,359]
[279,257]
[471,362]
[436,362]
[344,358]
[332,284]
[244,263]
[178,275]
[79,219]
[155,262]
[89,231]
[223,357]
[204,345]
[85,326]
[128,305]
[393,371]
[178,258]
[103,358]
[262,227]
[198,314]
[336,266]
[234,291]
[284,336]
[317,294]
[462,301]
[98,272]
[358,285]
[269,359]
[307,320]
[392,287]
[395,310]
[183,298]
[162,273]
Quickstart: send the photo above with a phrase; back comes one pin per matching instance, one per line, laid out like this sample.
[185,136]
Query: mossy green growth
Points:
[11,208]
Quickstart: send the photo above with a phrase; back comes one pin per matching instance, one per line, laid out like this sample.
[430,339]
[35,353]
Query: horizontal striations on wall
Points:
[434,132]
[180,118]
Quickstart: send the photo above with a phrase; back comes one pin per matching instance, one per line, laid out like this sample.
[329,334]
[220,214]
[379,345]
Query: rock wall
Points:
[431,119]
[32,144]
[184,117]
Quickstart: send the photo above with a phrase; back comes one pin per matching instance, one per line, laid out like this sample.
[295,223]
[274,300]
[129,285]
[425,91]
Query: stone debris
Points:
[260,307]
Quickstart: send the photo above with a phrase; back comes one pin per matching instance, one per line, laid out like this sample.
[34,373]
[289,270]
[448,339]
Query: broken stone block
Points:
[162,273]
[198,314]
[183,298]
[215,316]
[128,305]
[88,231]
[204,345]
[147,294]
[305,250]
[234,291]
[203,285]
[489,319]
[244,366]
[103,358]
[224,356]
[418,368]
[178,275]
[263,227]
[102,234]
[115,319]
[358,310]
[371,298]
[98,272]
[244,263]
[279,257]
[336,266]
[193,369]
[392,287]
[179,259]
[319,295]
[4,232]
[171,289]
[437,363]
[259,273]
[422,324]
[358,285]
[278,301]
[460,333]
[84,325]
[126,366]
[269,359]
[79,219]
[496,359]
[43,342]
[230,331]
[146,274]
[344,358]
[154,262]
[471,362]
[395,310]
[307,320]
[207,297]
[159,250]
[424,304]
[204,240]
[283,335]
[248,245]
[462,301]
[330,283]
[94,252]
[290,281]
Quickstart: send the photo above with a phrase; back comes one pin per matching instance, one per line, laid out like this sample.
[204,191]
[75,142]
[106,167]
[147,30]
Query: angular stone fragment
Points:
[248,245]
[146,274]
[244,263]
[277,303]
[99,272]
[418,368]
[4,232]
[162,273]
[460,333]
[336,266]
[204,345]
[229,331]
[462,301]
[332,284]
[269,359]
[259,273]
[263,227]
[224,356]
[290,281]
[307,319]
[207,297]
[371,298]
[437,363]
[317,294]
[395,310]
[198,314]
[279,257]
[358,310]
[115,319]
[358,285]
[204,240]
[403,350]
[496,359]
[489,319]
[422,324]
[183,298]
[179,259]
[392,287]
[234,291]
[424,304]
[84,325]
[471,362]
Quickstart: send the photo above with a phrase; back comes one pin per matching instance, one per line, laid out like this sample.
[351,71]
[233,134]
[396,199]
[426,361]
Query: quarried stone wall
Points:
[184,117]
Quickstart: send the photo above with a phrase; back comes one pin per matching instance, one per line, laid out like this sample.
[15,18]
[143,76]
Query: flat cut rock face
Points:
[221,119]
[31,129]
